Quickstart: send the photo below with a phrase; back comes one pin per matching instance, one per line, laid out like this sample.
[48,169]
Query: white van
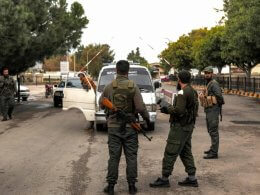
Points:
[141,76]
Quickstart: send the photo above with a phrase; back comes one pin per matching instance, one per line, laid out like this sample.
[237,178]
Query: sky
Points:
[147,24]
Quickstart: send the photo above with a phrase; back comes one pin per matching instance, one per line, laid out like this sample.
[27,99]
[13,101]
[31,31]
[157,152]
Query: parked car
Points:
[165,79]
[24,92]
[141,76]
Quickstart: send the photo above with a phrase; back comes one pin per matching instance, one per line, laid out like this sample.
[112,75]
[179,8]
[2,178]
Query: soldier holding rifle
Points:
[125,96]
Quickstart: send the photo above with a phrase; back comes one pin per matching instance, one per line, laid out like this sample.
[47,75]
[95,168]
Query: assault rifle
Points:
[122,115]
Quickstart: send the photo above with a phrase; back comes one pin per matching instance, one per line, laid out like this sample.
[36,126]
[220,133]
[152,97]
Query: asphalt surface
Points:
[45,150]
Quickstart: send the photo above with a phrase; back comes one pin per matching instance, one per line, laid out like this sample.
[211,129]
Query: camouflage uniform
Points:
[183,114]
[120,137]
[7,91]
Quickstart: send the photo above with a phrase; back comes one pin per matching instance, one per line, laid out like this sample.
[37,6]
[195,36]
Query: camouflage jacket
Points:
[7,86]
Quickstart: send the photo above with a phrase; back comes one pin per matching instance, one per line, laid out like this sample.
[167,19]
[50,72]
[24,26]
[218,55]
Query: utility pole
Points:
[87,56]
[74,62]
[230,78]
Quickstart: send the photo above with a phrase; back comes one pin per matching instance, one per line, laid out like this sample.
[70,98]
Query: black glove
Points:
[164,110]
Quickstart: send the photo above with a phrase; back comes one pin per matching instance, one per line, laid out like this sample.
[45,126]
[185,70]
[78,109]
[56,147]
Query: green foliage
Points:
[31,30]
[136,57]
[207,52]
[237,41]
[242,33]
[89,52]
[180,53]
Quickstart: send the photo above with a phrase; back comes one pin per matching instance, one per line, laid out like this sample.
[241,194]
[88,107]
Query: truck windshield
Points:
[74,83]
[139,75]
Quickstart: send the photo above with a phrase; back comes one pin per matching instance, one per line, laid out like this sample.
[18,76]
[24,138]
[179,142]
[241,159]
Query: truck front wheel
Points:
[152,126]
[100,127]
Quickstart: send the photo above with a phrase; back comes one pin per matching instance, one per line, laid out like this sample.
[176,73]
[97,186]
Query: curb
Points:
[242,93]
[232,92]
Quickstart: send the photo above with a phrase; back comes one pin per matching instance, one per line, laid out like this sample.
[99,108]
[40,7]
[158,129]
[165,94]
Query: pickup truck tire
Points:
[24,98]
[56,102]
[99,127]
[152,127]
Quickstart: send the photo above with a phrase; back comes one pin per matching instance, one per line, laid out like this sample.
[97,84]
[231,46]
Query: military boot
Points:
[132,188]
[160,183]
[207,152]
[10,116]
[109,189]
[211,156]
[188,182]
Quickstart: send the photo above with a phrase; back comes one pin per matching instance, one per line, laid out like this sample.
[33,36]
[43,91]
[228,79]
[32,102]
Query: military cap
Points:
[208,69]
[184,76]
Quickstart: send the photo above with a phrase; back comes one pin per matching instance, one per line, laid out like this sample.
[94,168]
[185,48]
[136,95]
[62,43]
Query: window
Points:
[139,75]
[74,83]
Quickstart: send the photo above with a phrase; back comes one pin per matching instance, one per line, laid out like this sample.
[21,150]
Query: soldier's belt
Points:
[208,101]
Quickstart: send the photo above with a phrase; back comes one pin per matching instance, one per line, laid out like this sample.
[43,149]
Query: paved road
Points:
[45,150]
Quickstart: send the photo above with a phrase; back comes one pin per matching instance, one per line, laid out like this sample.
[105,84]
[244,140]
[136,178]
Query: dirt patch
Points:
[79,180]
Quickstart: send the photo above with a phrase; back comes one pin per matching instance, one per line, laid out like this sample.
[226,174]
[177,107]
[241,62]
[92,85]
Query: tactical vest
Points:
[207,100]
[123,94]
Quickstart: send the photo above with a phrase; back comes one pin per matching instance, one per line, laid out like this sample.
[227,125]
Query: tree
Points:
[208,51]
[53,63]
[242,33]
[137,58]
[90,51]
[179,53]
[31,30]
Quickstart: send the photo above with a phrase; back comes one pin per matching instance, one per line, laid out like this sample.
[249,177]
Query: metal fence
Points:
[233,83]
[40,80]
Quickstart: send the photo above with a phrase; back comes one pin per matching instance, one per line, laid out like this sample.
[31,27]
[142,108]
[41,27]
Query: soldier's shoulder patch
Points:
[180,92]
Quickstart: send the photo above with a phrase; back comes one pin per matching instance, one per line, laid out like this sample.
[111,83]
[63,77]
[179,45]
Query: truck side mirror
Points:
[156,85]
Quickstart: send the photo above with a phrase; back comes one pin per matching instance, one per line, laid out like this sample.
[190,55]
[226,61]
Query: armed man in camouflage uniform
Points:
[126,96]
[182,120]
[7,92]
[212,100]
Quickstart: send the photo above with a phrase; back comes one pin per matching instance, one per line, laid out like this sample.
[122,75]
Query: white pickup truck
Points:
[75,96]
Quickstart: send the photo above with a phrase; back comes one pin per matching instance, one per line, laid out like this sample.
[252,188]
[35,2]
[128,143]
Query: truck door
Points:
[77,95]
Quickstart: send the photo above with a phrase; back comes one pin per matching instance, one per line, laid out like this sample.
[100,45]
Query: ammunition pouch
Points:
[207,101]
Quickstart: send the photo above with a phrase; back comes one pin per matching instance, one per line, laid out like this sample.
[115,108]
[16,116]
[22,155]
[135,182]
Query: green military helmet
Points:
[208,69]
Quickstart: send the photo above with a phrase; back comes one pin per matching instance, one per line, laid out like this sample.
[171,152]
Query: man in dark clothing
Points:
[212,100]
[182,120]
[126,96]
[7,92]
